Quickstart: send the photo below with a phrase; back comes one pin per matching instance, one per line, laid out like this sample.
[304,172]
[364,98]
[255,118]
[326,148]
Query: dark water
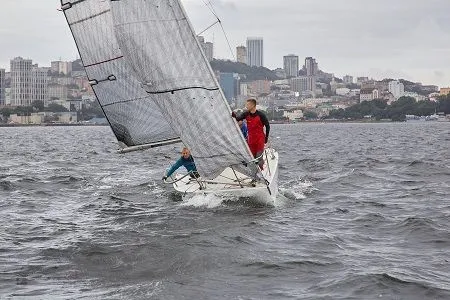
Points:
[364,214]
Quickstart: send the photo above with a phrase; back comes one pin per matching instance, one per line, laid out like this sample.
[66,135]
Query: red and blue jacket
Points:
[255,124]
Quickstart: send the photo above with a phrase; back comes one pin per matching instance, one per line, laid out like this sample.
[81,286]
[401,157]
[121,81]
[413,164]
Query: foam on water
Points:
[204,200]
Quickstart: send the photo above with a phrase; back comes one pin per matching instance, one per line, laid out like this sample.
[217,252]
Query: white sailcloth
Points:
[134,117]
[159,43]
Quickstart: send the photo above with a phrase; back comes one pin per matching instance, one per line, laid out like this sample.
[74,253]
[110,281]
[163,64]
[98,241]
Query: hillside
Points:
[251,73]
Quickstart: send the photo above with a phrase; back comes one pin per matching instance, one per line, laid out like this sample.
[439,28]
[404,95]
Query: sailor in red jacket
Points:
[256,121]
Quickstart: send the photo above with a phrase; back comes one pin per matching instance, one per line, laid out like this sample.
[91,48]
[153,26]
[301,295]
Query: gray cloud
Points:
[402,37]
[34,29]
[383,38]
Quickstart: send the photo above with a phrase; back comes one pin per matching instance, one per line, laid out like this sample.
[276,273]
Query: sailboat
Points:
[156,87]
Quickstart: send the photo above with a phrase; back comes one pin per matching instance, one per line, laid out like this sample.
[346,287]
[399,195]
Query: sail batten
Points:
[184,88]
[134,118]
[148,146]
[90,17]
[102,62]
[162,49]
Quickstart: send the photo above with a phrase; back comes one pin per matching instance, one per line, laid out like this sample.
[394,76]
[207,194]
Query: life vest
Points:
[256,135]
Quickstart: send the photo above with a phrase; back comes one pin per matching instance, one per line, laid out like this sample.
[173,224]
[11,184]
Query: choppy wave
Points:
[384,285]
[357,218]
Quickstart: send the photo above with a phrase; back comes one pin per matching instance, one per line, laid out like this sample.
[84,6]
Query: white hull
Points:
[226,184]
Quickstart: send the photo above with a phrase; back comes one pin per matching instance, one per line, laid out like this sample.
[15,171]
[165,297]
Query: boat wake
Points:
[211,201]
[206,201]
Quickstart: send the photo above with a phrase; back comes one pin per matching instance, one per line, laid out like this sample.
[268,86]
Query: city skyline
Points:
[378,40]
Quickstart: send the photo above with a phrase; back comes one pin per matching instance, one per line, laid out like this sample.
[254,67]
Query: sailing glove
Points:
[164,178]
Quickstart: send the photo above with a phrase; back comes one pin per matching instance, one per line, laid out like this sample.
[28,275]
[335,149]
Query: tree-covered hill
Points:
[251,73]
[397,111]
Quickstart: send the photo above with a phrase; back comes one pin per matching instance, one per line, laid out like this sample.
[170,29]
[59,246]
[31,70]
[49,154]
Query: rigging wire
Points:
[208,28]
[228,42]
[210,7]
[212,10]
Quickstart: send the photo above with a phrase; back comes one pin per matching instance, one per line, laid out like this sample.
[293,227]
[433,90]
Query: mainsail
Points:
[159,43]
[134,118]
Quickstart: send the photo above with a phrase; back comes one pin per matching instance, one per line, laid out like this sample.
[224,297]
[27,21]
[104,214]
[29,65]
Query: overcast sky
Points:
[377,38]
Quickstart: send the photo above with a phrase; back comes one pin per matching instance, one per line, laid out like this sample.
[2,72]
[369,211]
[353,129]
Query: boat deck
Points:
[236,183]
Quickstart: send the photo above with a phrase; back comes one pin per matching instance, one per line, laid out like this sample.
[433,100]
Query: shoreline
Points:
[335,121]
[271,123]
[50,125]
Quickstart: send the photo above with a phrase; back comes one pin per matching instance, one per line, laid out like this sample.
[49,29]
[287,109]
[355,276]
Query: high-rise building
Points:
[291,65]
[64,67]
[2,87]
[312,69]
[208,48]
[28,82]
[39,83]
[241,54]
[397,89]
[229,82]
[311,66]
[21,81]
[348,79]
[255,52]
